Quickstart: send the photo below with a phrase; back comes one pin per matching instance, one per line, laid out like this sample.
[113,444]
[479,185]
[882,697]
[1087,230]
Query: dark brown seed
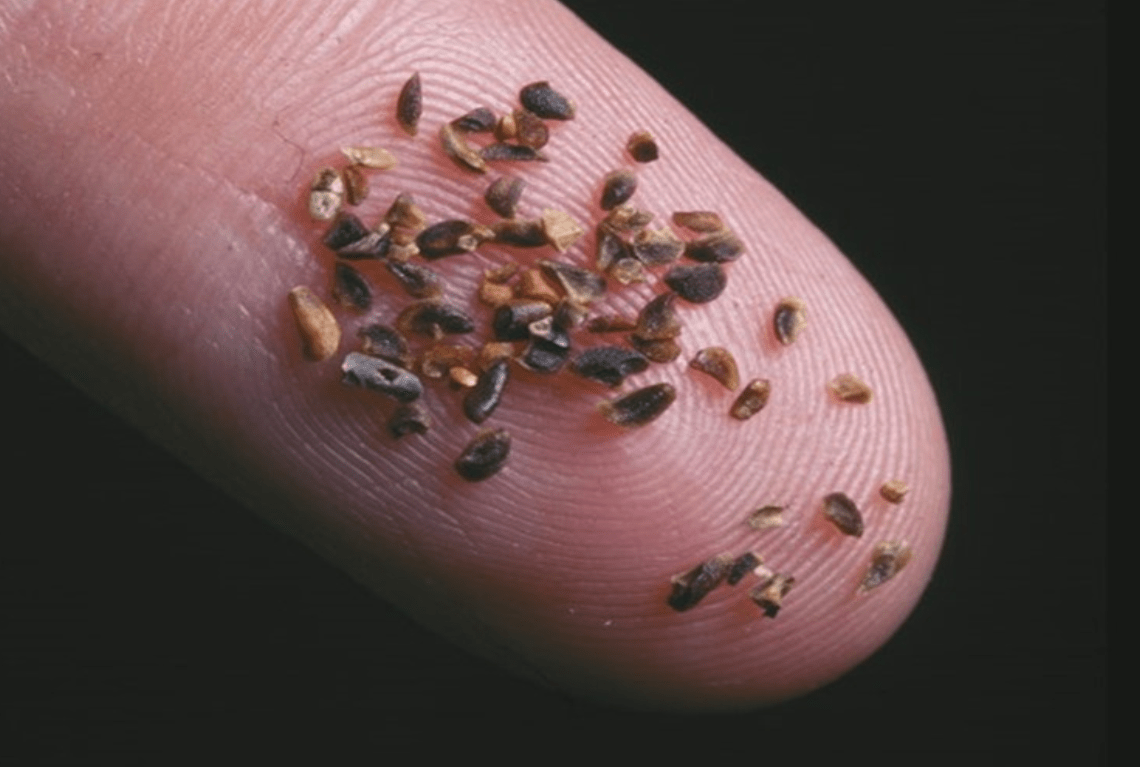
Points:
[691,587]
[844,514]
[744,564]
[439,360]
[716,248]
[659,320]
[461,153]
[627,271]
[545,102]
[544,357]
[530,130]
[657,247]
[610,324]
[478,120]
[698,220]
[751,400]
[887,560]
[769,595]
[410,105]
[609,364]
[511,322]
[697,284]
[409,419]
[581,285]
[502,196]
[500,152]
[374,245]
[387,343]
[355,185]
[894,491]
[485,455]
[320,332]
[640,407]
[350,288]
[642,146]
[382,376]
[447,238]
[789,320]
[434,318]
[765,517]
[485,395]
[345,230]
[719,363]
[610,247]
[521,233]
[848,387]
[618,186]
[418,280]
[660,351]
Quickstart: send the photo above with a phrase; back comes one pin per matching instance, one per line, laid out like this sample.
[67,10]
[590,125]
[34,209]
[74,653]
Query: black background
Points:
[958,160]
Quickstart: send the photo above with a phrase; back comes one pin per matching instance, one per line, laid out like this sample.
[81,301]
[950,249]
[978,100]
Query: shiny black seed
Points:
[446,238]
[522,233]
[385,342]
[350,288]
[433,318]
[345,230]
[511,322]
[697,284]
[382,376]
[484,396]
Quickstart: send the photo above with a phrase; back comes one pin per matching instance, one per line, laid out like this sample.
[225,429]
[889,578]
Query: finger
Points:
[185,228]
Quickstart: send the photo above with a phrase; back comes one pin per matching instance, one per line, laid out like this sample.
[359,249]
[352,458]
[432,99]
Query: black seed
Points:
[409,419]
[385,342]
[522,233]
[618,187]
[418,280]
[611,247]
[743,565]
[485,455]
[503,195]
[345,230]
[691,587]
[447,238]
[660,351]
[789,320]
[484,396]
[752,399]
[434,318]
[642,147]
[478,120]
[544,357]
[697,284]
[382,376]
[581,285]
[658,320]
[510,153]
[350,288]
[542,100]
[409,105]
[716,248]
[609,364]
[511,321]
[844,514]
[639,407]
[374,245]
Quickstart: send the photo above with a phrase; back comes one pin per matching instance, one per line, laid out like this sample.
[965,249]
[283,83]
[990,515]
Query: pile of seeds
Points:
[542,312]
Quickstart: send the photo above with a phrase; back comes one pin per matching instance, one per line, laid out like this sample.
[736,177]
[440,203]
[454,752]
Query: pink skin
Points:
[153,222]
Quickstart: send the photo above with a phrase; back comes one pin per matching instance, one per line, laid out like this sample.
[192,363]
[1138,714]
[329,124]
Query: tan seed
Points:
[370,157]
[765,517]
[719,363]
[533,285]
[769,595]
[848,387]
[627,271]
[462,377]
[494,294]
[894,490]
[461,153]
[326,194]
[320,332]
[752,400]
[560,228]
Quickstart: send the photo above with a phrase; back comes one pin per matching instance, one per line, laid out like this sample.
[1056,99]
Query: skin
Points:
[166,153]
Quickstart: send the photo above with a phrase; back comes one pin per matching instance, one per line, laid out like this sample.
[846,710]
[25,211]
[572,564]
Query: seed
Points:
[894,490]
[382,376]
[373,245]
[618,186]
[844,514]
[626,218]
[850,388]
[789,320]
[461,153]
[560,228]
[502,196]
[447,238]
[887,560]
[326,193]
[549,346]
[418,280]
[522,233]
[769,595]
[660,351]
[658,320]
[751,400]
[609,364]
[691,587]
[410,105]
[697,284]
[355,185]
[462,378]
[543,101]
[350,288]
[511,322]
[698,220]
[409,419]
[656,247]
[610,247]
[627,271]
[765,517]
[478,120]
[406,218]
[433,318]
[610,324]
[715,248]
[387,343]
[344,231]
[744,564]
[440,359]
[506,128]
[581,285]
[485,395]
[719,363]
[530,130]
[370,157]
[492,352]
[642,146]
[494,294]
[534,286]
[485,455]
[320,332]
[510,153]
[640,407]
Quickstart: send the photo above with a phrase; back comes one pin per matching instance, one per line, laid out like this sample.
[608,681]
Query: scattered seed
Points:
[611,324]
[485,395]
[658,320]
[492,352]
[618,187]
[549,346]
[326,194]
[355,185]
[502,273]
[350,289]
[502,196]
[382,376]
[640,407]
[344,231]
[438,361]
[850,388]
[769,595]
[642,146]
[609,364]
[320,332]
[626,218]
[478,120]
[494,294]
[534,286]
[370,156]
[844,514]
[373,245]
[485,455]
[627,271]
[418,280]
[789,320]
[462,154]
[545,102]
[751,400]
[610,247]
[500,151]
[506,128]
[462,378]
[410,105]
[715,248]
[409,419]
[887,560]
[765,517]
[691,587]
[530,130]
[894,490]
[697,284]
[656,247]
[522,233]
[560,228]
[405,218]
[698,220]
[447,238]
[511,322]
[387,343]
[434,318]
[744,564]
[581,285]
[659,351]
[719,363]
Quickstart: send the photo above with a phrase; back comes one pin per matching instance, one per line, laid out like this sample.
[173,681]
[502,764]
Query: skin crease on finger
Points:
[153,176]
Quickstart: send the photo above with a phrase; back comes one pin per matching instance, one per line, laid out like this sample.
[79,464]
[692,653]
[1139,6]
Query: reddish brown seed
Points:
[560,228]
[506,128]
[485,455]
[581,285]
[373,157]
[610,323]
[418,280]
[404,214]
[769,595]
[487,392]
[409,419]
[379,340]
[657,247]
[848,387]
[765,517]
[715,248]
[844,514]
[461,153]
[887,560]
[519,232]
[320,332]
[618,187]
[640,407]
[642,146]
[502,196]
[719,363]
[658,320]
[752,400]
[744,564]
[691,587]
[894,490]
[789,320]
[530,130]
[382,376]
[545,102]
[697,284]
[409,105]
[434,318]
[478,120]
[660,351]
[355,185]
[350,289]
[698,220]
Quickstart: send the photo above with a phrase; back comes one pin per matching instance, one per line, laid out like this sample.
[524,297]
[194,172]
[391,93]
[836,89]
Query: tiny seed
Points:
[326,194]
[698,220]
[460,152]
[409,105]
[789,320]
[751,400]
[611,324]
[894,490]
[511,322]
[697,284]
[609,364]
[640,407]
[657,247]
[627,271]
[355,185]
[485,455]
[765,517]
[617,188]
[433,318]
[560,228]
[382,376]
[344,231]
[715,248]
[610,248]
[370,157]
[769,595]
[447,238]
[350,288]
[387,343]
[485,395]
[506,128]
[691,587]
[521,233]
[500,151]
[844,514]
[659,351]
[744,564]
[887,560]
[530,130]
[503,195]
[642,146]
[419,281]
[545,102]
[534,286]
[462,378]
[658,320]
[478,120]
[581,285]
[850,388]
[320,332]
[719,363]
[409,419]
[405,216]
